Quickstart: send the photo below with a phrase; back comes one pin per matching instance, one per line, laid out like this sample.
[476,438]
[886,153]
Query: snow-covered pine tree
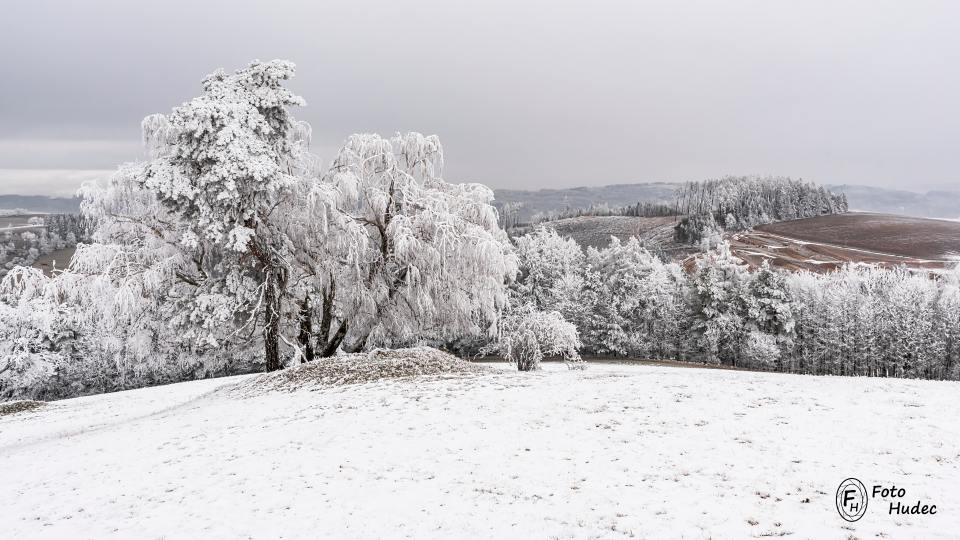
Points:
[718,289]
[769,312]
[221,165]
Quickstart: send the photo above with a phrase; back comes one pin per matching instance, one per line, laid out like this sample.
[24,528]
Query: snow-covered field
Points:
[609,452]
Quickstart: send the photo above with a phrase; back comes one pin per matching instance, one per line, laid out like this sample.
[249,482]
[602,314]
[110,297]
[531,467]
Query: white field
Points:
[609,452]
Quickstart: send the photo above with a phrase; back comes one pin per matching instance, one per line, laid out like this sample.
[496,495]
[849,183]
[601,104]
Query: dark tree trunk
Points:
[326,317]
[271,326]
[334,343]
[306,330]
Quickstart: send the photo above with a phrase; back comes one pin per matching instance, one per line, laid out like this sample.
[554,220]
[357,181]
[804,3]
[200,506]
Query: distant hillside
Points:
[41,204]
[544,200]
[933,204]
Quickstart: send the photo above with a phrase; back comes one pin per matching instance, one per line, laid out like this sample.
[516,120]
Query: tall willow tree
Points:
[404,257]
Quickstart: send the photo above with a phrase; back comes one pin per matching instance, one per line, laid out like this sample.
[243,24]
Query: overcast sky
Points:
[523,94]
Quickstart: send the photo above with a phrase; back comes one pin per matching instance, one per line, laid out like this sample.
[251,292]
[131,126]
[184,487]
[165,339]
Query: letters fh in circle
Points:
[851,499]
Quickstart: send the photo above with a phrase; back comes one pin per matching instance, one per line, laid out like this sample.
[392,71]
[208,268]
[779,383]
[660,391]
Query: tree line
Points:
[707,208]
[858,320]
[737,203]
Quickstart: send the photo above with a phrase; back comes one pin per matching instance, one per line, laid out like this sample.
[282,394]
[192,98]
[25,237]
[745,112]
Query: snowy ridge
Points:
[609,452]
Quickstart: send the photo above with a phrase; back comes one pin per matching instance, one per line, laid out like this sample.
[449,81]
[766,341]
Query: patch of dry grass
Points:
[14,407]
[360,368]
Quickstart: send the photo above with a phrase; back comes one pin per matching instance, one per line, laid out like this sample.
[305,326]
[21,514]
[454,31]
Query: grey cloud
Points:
[52,182]
[523,93]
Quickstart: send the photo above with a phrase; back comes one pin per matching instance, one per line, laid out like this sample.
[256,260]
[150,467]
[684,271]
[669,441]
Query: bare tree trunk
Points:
[306,330]
[271,326]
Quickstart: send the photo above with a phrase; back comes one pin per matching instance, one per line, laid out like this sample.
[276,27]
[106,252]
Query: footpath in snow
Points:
[609,452]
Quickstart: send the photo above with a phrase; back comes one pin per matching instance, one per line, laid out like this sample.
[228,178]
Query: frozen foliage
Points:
[631,302]
[187,260]
[551,268]
[535,325]
[357,368]
[737,203]
[404,257]
[718,288]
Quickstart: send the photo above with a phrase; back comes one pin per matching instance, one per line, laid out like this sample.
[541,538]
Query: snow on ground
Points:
[612,451]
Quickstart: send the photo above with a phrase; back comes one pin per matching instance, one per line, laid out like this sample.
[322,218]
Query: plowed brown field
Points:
[827,242]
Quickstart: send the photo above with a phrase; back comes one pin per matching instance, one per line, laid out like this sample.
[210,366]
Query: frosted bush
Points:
[527,336]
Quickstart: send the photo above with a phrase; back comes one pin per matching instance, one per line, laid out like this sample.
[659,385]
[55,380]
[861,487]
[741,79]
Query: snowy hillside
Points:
[612,451]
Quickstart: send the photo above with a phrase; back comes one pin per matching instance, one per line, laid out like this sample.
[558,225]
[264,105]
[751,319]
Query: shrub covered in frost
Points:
[528,335]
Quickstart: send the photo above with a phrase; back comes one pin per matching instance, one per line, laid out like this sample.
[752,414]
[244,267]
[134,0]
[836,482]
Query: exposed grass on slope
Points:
[14,407]
[359,368]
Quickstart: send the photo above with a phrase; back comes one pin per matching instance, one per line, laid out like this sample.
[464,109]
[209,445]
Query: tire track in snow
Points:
[66,433]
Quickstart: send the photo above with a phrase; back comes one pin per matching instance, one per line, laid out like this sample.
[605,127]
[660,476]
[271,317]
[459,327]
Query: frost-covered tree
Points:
[404,256]
[760,350]
[223,167]
[632,301]
[768,315]
[31,336]
[551,269]
[185,276]
[718,291]
[948,318]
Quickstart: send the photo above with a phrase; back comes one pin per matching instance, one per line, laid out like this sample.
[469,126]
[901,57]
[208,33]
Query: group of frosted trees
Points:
[230,248]
[859,320]
[738,203]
